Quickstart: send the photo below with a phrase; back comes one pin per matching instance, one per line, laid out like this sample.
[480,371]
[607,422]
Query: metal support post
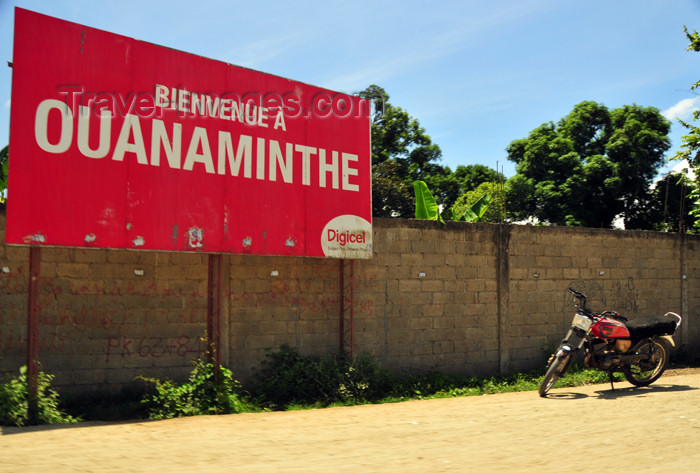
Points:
[346,304]
[33,333]
[214,312]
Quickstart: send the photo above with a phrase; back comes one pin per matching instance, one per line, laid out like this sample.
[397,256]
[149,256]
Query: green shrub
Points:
[14,401]
[289,378]
[200,396]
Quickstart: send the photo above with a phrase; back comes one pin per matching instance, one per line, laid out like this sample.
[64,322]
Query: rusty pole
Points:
[351,309]
[341,305]
[347,307]
[33,333]
[214,313]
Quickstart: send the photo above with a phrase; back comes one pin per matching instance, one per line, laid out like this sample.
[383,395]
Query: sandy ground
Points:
[575,429]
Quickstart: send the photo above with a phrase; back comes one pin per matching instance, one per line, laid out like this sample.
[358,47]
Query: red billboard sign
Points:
[118,143]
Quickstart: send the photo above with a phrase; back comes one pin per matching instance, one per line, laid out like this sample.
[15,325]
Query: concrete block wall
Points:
[633,273]
[461,298]
[273,301]
[102,323]
[433,295]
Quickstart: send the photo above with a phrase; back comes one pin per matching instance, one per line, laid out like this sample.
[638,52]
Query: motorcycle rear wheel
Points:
[555,369]
[646,372]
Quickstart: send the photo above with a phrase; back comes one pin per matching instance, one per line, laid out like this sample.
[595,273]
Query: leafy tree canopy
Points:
[403,153]
[472,176]
[593,165]
[392,196]
[668,205]
[494,212]
[690,146]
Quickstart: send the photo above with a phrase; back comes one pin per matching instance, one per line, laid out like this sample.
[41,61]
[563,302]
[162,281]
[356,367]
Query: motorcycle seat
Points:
[648,326]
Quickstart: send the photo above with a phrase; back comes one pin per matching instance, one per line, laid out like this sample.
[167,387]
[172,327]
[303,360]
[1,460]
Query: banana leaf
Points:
[477,210]
[426,207]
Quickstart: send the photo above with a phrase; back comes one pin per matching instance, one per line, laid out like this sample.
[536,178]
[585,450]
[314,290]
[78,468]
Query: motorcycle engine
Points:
[623,345]
[602,355]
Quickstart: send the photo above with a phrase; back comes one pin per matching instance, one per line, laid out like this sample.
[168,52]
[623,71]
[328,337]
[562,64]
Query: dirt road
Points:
[655,429]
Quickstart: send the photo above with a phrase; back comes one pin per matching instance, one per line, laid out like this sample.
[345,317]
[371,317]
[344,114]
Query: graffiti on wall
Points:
[623,296]
[305,298]
[153,347]
[102,313]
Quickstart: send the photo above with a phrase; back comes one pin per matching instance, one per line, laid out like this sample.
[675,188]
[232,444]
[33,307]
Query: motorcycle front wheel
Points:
[649,370]
[556,367]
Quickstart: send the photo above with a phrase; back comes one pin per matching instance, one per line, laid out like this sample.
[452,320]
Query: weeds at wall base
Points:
[14,401]
[206,392]
[287,381]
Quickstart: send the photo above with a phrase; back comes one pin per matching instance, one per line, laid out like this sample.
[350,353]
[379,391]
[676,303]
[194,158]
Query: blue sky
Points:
[476,74]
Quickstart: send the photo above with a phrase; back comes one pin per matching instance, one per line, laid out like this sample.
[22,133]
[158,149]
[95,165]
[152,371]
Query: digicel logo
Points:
[345,237]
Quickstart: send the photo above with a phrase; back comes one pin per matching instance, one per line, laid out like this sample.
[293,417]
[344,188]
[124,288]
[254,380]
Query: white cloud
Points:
[683,109]
[684,167]
[7,104]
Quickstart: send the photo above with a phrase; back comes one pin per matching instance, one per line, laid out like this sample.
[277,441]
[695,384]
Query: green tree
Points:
[443,183]
[668,206]
[473,175]
[402,152]
[392,196]
[394,132]
[676,192]
[494,212]
[592,166]
[690,146]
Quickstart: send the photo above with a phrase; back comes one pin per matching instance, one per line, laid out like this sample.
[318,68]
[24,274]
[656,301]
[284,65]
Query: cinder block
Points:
[410,286]
[91,255]
[73,270]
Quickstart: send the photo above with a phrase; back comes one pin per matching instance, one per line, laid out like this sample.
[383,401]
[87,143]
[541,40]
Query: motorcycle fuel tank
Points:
[610,329]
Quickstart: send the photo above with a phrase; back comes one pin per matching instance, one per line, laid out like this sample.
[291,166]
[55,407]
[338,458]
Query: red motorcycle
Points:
[638,348]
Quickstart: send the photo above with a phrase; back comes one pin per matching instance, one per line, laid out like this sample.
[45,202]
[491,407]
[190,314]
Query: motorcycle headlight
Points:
[582,322]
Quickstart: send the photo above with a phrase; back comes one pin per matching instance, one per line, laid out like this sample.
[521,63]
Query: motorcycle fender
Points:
[564,351]
[669,339]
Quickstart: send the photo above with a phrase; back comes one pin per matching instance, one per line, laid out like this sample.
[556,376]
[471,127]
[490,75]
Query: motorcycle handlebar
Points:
[577,294]
[582,297]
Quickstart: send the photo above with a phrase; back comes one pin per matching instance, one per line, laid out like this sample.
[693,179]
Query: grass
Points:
[344,383]
[127,404]
[440,386]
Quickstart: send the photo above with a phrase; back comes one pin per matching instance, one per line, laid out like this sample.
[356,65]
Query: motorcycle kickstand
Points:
[612,386]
